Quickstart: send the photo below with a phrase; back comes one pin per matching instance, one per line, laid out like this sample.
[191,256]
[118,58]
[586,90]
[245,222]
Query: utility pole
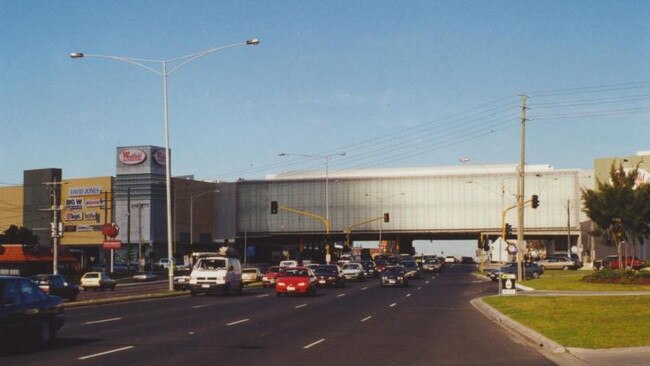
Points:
[139,206]
[56,225]
[521,191]
[128,225]
[568,228]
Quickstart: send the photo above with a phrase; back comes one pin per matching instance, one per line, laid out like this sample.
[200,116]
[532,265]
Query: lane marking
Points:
[103,321]
[408,295]
[238,322]
[366,318]
[340,295]
[420,288]
[364,288]
[200,306]
[433,278]
[265,295]
[427,282]
[300,306]
[313,344]
[105,353]
[392,305]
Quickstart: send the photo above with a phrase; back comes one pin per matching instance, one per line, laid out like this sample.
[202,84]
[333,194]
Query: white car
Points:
[97,281]
[250,275]
[353,271]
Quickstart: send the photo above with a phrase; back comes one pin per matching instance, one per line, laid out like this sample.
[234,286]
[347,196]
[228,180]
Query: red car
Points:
[296,280]
[612,262]
[269,278]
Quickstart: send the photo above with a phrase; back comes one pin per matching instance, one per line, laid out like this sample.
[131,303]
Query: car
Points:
[393,276]
[467,260]
[145,276]
[219,273]
[296,280]
[432,265]
[328,275]
[450,259]
[559,262]
[268,280]
[369,268]
[27,313]
[56,285]
[612,262]
[532,270]
[163,263]
[289,263]
[97,281]
[181,278]
[251,275]
[353,271]
[412,269]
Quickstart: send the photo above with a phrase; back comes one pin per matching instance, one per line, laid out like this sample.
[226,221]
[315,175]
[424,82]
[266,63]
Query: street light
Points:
[327,188]
[192,198]
[143,63]
[381,206]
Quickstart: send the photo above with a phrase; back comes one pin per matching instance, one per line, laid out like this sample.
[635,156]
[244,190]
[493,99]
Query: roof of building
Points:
[16,253]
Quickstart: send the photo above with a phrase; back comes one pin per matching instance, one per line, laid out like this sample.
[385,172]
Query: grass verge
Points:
[583,322]
[571,281]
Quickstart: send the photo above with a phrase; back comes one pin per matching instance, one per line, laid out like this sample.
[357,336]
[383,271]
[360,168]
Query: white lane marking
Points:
[200,306]
[364,288]
[433,278]
[265,295]
[340,295]
[427,282]
[408,295]
[238,322]
[366,318]
[315,343]
[300,306]
[392,305]
[103,321]
[419,288]
[105,353]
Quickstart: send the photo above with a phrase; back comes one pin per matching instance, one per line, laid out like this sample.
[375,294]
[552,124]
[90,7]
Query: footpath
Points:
[629,356]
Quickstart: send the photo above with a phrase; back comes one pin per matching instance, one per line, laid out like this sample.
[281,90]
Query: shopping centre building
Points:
[398,205]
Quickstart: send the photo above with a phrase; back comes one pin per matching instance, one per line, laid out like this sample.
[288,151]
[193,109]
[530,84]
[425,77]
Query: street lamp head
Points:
[76,55]
[253,42]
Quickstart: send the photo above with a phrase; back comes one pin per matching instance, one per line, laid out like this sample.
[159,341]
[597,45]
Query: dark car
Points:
[412,269]
[56,285]
[612,263]
[393,276]
[26,312]
[533,270]
[369,268]
[328,275]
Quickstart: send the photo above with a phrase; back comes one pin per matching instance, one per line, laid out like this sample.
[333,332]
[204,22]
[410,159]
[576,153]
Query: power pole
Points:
[128,224]
[521,191]
[56,225]
[140,240]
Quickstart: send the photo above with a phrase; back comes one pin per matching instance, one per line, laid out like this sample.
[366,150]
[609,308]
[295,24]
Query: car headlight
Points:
[400,278]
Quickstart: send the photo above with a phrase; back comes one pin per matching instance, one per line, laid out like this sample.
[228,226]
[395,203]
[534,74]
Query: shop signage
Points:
[74,203]
[84,228]
[74,216]
[132,156]
[94,202]
[159,157]
[91,216]
[112,244]
[85,191]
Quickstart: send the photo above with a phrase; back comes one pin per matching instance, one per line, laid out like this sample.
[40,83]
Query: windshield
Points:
[326,270]
[296,273]
[213,264]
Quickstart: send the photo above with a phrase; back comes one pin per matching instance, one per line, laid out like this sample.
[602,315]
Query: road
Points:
[428,323]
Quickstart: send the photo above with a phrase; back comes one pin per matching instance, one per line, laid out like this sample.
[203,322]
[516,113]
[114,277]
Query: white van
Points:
[216,274]
[289,263]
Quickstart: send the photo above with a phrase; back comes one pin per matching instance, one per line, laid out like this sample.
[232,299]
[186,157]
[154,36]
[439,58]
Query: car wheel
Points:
[535,274]
[566,268]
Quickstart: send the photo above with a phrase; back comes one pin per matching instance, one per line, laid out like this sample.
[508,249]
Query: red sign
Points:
[112,244]
[132,156]
[110,230]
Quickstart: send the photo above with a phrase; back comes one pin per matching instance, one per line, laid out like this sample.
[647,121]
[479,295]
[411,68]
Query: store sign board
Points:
[74,216]
[85,191]
[132,156]
[159,156]
[74,203]
[94,202]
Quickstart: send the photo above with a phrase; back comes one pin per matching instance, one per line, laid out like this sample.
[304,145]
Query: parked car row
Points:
[531,270]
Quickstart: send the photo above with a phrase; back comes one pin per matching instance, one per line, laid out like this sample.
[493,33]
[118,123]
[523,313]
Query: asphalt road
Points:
[428,323]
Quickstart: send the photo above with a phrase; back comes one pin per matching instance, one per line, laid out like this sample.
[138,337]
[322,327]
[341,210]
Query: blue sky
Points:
[391,83]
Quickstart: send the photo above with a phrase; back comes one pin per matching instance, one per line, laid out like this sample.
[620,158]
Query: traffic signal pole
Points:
[324,220]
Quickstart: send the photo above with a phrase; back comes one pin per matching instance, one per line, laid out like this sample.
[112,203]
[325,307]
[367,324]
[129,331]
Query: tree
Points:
[19,235]
[619,209]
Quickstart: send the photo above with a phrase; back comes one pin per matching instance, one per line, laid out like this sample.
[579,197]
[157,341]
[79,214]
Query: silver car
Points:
[559,262]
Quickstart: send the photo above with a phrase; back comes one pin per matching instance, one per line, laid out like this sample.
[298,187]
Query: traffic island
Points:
[112,300]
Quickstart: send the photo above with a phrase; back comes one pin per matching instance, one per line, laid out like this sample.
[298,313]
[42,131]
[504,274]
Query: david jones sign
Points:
[132,156]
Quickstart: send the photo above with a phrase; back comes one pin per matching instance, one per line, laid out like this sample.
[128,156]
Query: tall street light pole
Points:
[192,198]
[327,159]
[165,74]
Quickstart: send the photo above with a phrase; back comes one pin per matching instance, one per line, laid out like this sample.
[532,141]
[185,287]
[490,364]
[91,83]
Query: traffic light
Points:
[386,217]
[508,229]
[535,201]
[486,244]
[274,207]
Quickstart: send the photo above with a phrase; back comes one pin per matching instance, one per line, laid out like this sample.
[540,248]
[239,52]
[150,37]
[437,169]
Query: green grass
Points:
[571,281]
[584,322]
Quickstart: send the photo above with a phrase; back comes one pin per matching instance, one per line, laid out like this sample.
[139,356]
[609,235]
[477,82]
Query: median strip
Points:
[103,321]
[105,353]
[313,344]
[238,322]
